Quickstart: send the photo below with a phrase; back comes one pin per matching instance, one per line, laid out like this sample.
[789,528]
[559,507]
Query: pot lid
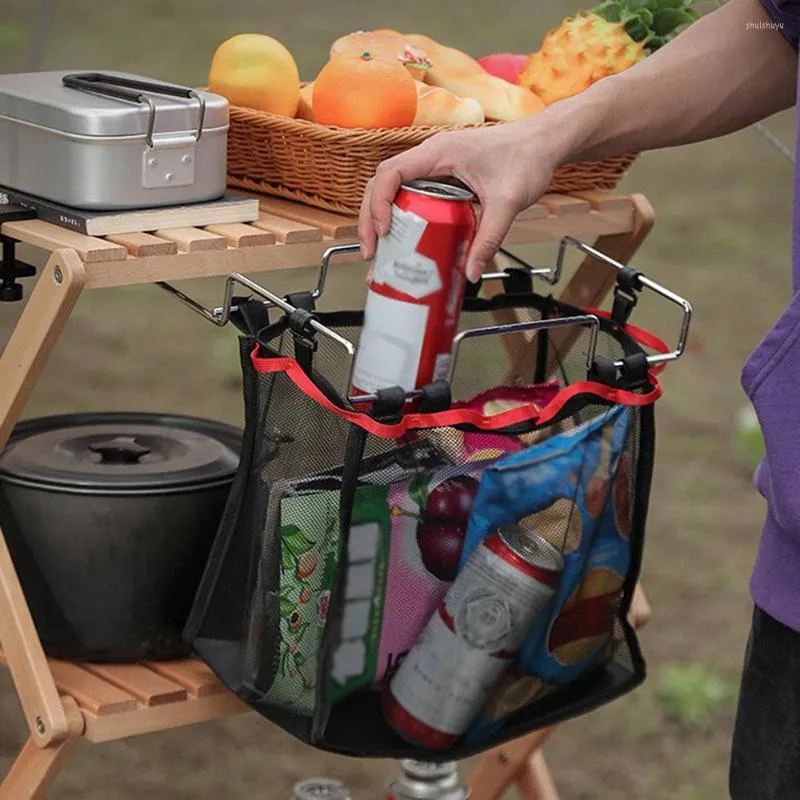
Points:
[116,455]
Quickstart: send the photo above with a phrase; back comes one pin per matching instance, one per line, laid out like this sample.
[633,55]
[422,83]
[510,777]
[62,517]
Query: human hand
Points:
[507,166]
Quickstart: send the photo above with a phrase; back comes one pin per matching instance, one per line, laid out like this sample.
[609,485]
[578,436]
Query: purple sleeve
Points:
[786,15]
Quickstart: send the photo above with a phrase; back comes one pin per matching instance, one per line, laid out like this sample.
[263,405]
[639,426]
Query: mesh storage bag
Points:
[345,528]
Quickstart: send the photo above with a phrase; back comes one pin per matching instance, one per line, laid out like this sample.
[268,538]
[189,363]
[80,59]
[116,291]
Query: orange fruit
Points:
[305,108]
[364,92]
[384,43]
[256,71]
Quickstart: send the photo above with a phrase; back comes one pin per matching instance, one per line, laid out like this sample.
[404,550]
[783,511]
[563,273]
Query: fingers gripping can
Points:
[424,780]
[416,289]
[472,638]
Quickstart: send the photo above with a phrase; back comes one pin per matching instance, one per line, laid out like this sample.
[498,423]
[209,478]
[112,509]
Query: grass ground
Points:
[721,239]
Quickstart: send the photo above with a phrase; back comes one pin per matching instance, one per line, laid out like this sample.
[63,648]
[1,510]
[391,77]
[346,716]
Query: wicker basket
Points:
[329,167]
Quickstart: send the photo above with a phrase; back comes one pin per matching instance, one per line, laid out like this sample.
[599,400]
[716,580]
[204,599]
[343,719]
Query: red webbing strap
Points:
[454,417]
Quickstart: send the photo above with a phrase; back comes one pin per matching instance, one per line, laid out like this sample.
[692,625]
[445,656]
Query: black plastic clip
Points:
[435,397]
[388,404]
[11,269]
[625,294]
[303,300]
[305,343]
[517,281]
[603,371]
[634,372]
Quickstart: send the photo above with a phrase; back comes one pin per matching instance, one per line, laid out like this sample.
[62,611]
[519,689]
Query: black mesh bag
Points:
[325,605]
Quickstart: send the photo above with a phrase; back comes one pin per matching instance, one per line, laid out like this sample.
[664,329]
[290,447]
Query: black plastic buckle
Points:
[388,404]
[624,303]
[603,371]
[435,397]
[634,372]
[518,281]
[625,294]
[302,300]
[300,325]
[11,269]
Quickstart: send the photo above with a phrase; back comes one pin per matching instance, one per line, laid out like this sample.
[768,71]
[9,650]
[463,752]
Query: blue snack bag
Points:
[573,489]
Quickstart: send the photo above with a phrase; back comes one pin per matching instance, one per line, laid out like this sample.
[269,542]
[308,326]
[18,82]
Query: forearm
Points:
[715,78]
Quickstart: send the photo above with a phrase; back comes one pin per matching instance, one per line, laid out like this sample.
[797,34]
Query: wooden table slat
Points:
[338,226]
[191,673]
[148,687]
[238,234]
[286,230]
[563,204]
[91,691]
[52,237]
[142,245]
[193,240]
[604,201]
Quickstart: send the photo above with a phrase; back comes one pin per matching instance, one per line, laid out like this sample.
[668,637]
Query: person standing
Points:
[726,71]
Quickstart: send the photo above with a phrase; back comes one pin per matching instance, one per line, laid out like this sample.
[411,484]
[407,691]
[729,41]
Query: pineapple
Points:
[604,41]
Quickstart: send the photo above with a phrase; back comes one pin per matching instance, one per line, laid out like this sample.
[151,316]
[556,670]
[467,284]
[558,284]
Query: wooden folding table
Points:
[63,702]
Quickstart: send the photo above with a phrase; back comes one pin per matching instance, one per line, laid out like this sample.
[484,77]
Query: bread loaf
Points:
[438,106]
[464,76]
[304,108]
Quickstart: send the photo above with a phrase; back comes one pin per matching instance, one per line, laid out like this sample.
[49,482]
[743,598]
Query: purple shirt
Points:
[771,379]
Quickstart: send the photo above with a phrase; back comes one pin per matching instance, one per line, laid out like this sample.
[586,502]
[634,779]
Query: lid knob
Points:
[120,450]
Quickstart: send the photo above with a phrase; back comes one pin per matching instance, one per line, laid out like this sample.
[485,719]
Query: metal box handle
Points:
[134,91]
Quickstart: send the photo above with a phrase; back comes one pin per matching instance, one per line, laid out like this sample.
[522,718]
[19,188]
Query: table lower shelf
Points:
[121,700]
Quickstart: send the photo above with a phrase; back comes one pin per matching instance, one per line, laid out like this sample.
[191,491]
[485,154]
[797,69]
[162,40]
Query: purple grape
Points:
[452,500]
[440,544]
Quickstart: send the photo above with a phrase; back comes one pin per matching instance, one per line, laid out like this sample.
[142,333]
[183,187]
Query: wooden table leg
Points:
[21,364]
[37,767]
[36,333]
[501,767]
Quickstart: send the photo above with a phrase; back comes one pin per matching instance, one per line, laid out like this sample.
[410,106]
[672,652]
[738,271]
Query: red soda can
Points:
[416,289]
[472,638]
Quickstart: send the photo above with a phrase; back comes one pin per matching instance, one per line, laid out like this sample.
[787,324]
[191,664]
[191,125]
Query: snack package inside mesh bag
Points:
[564,489]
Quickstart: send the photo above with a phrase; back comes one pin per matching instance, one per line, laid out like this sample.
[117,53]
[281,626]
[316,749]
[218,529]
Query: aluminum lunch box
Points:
[111,140]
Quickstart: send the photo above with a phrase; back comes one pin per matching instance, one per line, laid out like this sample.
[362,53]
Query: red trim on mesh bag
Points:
[454,417]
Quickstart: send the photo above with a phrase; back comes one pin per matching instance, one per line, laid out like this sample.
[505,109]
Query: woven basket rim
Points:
[279,119]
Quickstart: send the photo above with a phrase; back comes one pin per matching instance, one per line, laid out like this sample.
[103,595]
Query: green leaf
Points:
[301,633]
[295,540]
[418,491]
[635,6]
[299,658]
[636,29]
[287,606]
[645,17]
[667,20]
[287,560]
[610,11]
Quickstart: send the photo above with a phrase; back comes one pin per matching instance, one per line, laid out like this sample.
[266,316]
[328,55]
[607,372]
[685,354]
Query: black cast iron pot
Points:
[109,518]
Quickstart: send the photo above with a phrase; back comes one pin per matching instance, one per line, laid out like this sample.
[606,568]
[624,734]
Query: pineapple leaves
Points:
[666,20]
[610,11]
[652,22]
[636,29]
